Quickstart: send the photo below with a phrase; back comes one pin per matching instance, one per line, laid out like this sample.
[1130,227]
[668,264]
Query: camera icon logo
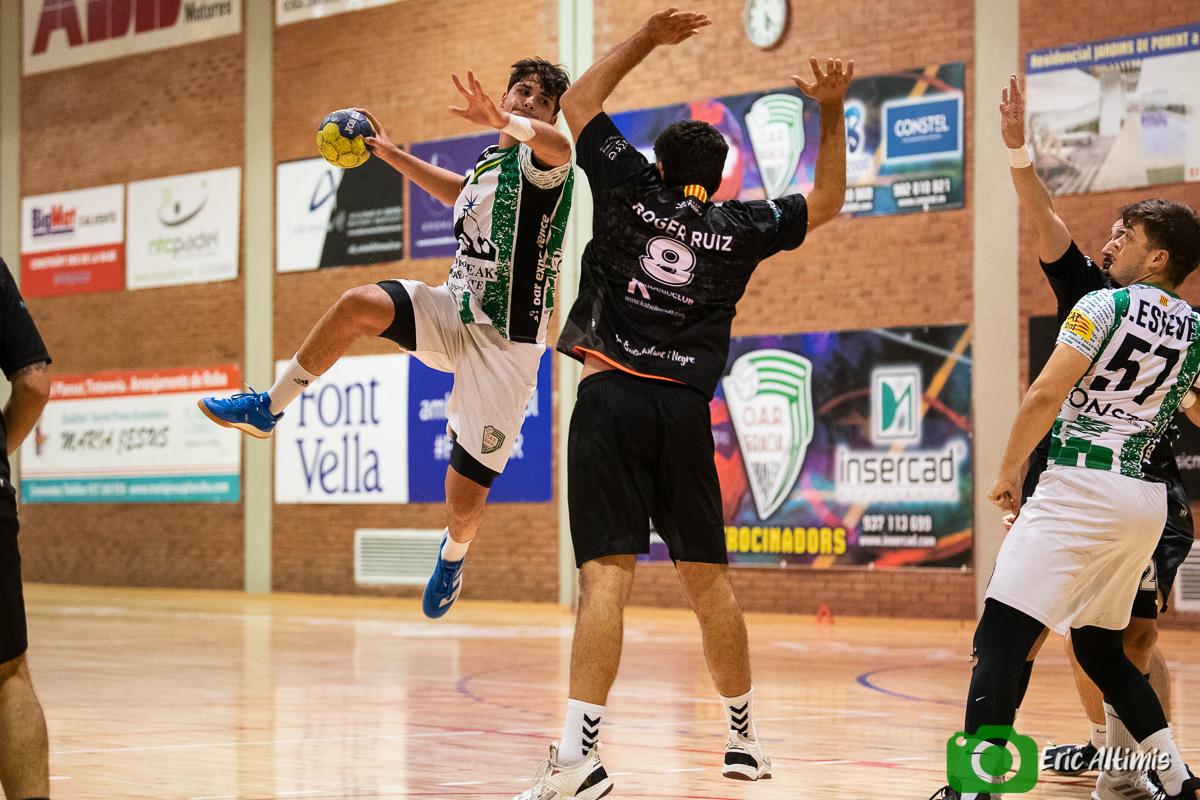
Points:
[984,762]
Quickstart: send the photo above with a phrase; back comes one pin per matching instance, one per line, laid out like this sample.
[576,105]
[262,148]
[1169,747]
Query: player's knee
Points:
[1139,641]
[366,308]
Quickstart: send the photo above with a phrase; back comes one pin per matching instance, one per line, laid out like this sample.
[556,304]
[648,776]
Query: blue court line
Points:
[865,680]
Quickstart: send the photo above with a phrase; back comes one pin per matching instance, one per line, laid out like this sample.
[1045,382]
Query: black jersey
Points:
[20,346]
[664,270]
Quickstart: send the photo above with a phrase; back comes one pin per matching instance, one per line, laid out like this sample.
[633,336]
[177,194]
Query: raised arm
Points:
[1052,234]
[441,183]
[585,99]
[30,391]
[829,179]
[550,148]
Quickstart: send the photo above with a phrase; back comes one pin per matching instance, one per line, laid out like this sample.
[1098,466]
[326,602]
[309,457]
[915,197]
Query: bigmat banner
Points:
[1116,113]
[330,217]
[133,437]
[904,140]
[67,33]
[431,222]
[287,11]
[373,430]
[184,229]
[850,448]
[73,242]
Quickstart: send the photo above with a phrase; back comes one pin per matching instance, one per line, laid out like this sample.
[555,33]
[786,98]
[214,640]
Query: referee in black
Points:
[658,288]
[24,748]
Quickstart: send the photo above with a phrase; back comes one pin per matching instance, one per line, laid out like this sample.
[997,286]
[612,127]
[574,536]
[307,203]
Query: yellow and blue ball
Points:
[340,138]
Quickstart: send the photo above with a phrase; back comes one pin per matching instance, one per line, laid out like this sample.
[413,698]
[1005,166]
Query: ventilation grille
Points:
[1187,584]
[398,557]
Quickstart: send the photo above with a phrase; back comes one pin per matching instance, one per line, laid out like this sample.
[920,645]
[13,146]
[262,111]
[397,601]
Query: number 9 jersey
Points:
[1142,343]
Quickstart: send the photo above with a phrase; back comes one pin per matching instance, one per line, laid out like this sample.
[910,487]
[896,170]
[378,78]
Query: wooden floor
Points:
[217,696]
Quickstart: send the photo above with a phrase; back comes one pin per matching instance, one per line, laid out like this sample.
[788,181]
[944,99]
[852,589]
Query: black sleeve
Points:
[604,153]
[779,224]
[1071,277]
[20,342]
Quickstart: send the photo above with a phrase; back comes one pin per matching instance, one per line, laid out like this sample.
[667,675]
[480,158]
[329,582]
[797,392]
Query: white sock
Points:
[454,551]
[291,384]
[1118,736]
[1176,772]
[739,714]
[1099,734]
[581,731]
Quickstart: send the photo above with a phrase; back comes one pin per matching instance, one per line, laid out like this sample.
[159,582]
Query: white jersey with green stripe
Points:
[1141,340]
[510,218]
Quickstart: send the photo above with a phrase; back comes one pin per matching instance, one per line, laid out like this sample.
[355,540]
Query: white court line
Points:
[907,758]
[60,778]
[693,769]
[266,742]
[833,762]
[462,783]
[306,791]
[216,797]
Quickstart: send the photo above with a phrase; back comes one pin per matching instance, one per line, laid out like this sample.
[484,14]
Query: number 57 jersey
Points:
[1142,343]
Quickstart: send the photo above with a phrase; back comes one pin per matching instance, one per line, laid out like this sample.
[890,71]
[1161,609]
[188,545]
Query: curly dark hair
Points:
[553,77]
[690,152]
[1169,226]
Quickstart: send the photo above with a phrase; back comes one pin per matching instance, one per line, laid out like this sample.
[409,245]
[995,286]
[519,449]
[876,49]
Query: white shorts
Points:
[1076,554]
[493,377]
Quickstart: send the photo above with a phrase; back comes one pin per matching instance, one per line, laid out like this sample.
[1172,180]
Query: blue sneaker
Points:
[444,586]
[248,412]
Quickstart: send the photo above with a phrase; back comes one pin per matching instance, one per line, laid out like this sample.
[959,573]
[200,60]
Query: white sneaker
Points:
[744,759]
[1124,786]
[586,780]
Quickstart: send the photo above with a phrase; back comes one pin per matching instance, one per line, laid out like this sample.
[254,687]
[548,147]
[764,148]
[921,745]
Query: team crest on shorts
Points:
[493,440]
[769,393]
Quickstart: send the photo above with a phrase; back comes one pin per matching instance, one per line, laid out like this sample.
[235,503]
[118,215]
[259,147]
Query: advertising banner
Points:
[184,229]
[373,430]
[1115,113]
[288,11]
[73,242]
[850,448]
[329,217]
[431,221]
[67,33]
[904,140]
[133,437]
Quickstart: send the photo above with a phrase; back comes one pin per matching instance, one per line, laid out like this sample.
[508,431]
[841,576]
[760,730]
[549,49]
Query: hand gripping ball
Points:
[340,138]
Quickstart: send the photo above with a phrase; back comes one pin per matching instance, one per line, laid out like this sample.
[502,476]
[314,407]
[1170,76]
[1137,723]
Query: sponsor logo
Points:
[1079,325]
[872,476]
[493,440]
[775,124]
[769,393]
[113,19]
[895,405]
[922,128]
[859,163]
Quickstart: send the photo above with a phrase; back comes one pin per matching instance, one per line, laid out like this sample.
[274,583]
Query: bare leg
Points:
[722,626]
[361,311]
[604,585]
[24,745]
[465,501]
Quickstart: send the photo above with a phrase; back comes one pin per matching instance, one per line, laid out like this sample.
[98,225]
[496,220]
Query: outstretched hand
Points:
[380,137]
[481,109]
[1012,114]
[673,26]
[829,86]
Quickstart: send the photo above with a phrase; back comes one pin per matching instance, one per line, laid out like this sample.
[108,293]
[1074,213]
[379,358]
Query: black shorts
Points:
[13,638]
[642,449]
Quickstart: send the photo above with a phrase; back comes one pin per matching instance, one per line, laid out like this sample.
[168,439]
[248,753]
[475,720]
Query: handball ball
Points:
[340,138]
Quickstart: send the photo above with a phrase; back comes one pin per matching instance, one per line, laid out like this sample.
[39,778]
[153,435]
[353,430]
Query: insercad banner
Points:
[848,448]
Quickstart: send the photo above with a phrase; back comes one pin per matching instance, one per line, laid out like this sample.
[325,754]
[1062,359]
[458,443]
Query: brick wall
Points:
[181,110]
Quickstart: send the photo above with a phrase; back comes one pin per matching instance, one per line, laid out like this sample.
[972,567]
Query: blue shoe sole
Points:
[245,427]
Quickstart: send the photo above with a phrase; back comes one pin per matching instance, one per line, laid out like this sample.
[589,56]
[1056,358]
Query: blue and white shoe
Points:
[247,412]
[444,585]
